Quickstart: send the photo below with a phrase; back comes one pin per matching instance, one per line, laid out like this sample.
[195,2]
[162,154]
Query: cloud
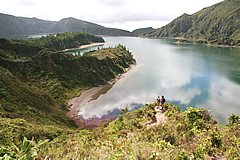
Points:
[26,3]
[115,3]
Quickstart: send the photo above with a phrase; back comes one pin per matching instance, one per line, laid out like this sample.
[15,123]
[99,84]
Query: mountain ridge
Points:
[13,26]
[217,24]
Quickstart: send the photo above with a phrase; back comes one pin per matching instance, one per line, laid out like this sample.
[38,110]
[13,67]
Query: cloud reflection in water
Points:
[187,75]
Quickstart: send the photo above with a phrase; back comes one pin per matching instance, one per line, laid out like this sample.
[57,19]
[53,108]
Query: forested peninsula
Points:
[62,41]
[215,25]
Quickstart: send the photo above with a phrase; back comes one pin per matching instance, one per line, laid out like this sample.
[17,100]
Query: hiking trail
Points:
[160,118]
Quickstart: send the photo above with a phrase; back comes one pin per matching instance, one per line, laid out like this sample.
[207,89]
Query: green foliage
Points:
[217,24]
[123,111]
[196,117]
[62,40]
[128,138]
[33,93]
[28,150]
[234,118]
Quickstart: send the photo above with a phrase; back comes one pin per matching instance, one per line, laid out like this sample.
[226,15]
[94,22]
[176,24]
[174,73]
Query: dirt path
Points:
[160,117]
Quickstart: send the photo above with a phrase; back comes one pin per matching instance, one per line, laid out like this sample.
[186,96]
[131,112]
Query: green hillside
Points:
[192,134]
[11,25]
[36,83]
[27,111]
[218,24]
[139,31]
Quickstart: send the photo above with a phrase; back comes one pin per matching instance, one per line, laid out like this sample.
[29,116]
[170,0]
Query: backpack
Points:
[163,100]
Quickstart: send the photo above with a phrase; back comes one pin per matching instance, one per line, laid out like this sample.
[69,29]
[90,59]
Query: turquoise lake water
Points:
[187,75]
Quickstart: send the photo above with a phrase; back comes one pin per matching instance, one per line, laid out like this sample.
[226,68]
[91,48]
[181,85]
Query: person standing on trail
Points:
[163,100]
[158,102]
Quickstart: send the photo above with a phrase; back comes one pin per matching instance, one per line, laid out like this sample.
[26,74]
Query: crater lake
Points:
[187,75]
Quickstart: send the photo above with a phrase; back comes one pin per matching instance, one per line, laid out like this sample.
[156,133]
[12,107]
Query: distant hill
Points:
[72,25]
[218,24]
[139,31]
[11,25]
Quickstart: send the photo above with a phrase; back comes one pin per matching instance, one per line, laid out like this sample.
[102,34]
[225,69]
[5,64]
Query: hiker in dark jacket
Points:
[163,100]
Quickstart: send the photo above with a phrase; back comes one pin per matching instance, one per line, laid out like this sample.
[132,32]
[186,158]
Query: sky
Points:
[121,14]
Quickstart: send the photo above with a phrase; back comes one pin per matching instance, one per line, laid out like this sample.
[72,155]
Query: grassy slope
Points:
[218,24]
[190,134]
[28,111]
[36,84]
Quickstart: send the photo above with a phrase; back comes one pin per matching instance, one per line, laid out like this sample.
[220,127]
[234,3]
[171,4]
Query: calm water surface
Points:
[187,75]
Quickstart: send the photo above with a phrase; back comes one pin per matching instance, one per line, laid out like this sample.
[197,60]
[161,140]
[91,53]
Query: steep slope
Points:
[19,98]
[192,134]
[218,24]
[36,82]
[28,111]
[65,72]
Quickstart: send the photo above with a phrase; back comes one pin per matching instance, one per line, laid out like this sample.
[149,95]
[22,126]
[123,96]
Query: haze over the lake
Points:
[122,14]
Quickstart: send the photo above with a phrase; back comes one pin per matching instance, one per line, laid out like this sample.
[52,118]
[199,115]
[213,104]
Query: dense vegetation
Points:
[192,134]
[139,31]
[13,26]
[36,82]
[218,24]
[62,40]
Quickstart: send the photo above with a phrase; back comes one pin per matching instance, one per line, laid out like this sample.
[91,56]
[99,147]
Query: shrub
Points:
[233,118]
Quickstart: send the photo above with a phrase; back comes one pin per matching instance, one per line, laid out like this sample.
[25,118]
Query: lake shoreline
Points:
[85,46]
[188,41]
[75,104]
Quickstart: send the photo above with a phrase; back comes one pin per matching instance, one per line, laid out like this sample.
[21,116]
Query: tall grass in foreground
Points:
[192,134]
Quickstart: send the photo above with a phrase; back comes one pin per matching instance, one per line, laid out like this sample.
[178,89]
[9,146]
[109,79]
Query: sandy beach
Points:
[86,46]
[86,96]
